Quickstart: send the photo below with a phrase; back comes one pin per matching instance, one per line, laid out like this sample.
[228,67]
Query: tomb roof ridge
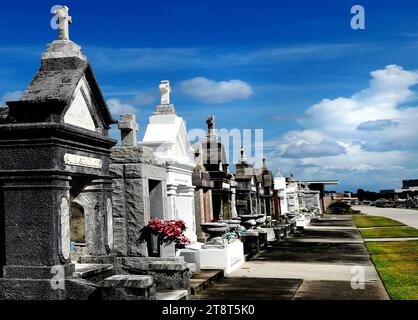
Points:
[57,80]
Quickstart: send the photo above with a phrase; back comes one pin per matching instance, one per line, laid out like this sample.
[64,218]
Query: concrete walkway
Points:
[318,263]
[406,216]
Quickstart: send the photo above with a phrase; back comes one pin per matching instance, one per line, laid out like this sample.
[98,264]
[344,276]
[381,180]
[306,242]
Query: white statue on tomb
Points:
[61,12]
[165,90]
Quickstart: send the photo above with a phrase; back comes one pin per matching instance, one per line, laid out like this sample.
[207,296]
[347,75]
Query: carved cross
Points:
[63,22]
[128,129]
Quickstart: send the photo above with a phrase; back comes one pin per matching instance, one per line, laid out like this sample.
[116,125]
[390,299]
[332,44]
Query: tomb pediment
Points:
[167,135]
[64,90]
[78,113]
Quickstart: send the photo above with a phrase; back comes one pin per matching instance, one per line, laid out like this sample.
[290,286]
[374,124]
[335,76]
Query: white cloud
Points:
[373,133]
[117,107]
[145,98]
[134,59]
[211,91]
[313,150]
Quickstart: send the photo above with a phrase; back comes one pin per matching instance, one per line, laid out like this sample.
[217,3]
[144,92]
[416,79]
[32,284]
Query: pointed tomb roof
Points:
[213,153]
[64,89]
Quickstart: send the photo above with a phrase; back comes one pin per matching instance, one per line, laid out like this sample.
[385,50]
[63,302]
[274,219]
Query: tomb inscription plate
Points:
[82,161]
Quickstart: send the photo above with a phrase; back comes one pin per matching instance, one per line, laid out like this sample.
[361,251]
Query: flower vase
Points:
[167,250]
[153,245]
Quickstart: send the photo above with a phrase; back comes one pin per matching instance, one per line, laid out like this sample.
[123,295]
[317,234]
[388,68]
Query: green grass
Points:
[397,264]
[397,232]
[363,221]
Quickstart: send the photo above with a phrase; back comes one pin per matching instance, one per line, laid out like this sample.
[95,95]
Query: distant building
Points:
[408,184]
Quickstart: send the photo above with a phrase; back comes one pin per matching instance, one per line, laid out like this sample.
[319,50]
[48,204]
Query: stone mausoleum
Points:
[54,175]
[211,153]
[139,190]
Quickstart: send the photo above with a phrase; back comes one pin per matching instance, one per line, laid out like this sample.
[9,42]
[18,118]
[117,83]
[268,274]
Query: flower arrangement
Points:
[234,233]
[167,231]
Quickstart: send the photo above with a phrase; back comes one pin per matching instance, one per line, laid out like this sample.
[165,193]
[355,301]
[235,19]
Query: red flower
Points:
[169,231]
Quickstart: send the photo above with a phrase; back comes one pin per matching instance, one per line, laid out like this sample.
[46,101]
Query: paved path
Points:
[316,264]
[406,216]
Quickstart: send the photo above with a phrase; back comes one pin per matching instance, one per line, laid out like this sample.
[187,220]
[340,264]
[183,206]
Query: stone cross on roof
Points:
[128,129]
[63,47]
[165,90]
[61,12]
[165,107]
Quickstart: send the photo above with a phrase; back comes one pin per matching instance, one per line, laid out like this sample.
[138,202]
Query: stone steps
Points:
[87,270]
[205,279]
[95,273]
[172,295]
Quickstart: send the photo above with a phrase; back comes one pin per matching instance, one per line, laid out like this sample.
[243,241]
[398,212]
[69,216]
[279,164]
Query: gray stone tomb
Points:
[55,184]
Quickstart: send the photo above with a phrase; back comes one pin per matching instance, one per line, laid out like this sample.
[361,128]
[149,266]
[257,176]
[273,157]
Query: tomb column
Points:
[185,200]
[36,213]
[208,206]
[171,202]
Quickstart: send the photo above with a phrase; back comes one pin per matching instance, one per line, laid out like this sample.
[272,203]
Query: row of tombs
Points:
[82,218]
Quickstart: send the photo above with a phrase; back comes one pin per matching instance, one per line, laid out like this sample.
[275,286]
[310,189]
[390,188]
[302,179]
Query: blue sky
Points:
[283,57]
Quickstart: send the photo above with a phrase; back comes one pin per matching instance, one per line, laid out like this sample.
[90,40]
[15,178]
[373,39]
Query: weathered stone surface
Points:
[120,237]
[49,81]
[142,262]
[128,281]
[128,128]
[29,289]
[116,170]
[119,204]
[139,187]
[137,215]
[171,279]
[37,272]
[40,289]
[81,289]
[128,287]
[167,265]
[128,293]
[138,154]
[89,270]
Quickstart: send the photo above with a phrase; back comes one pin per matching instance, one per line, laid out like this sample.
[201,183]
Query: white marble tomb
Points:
[166,134]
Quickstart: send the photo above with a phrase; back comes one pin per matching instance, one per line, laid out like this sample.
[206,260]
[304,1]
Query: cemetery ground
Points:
[317,263]
[393,248]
